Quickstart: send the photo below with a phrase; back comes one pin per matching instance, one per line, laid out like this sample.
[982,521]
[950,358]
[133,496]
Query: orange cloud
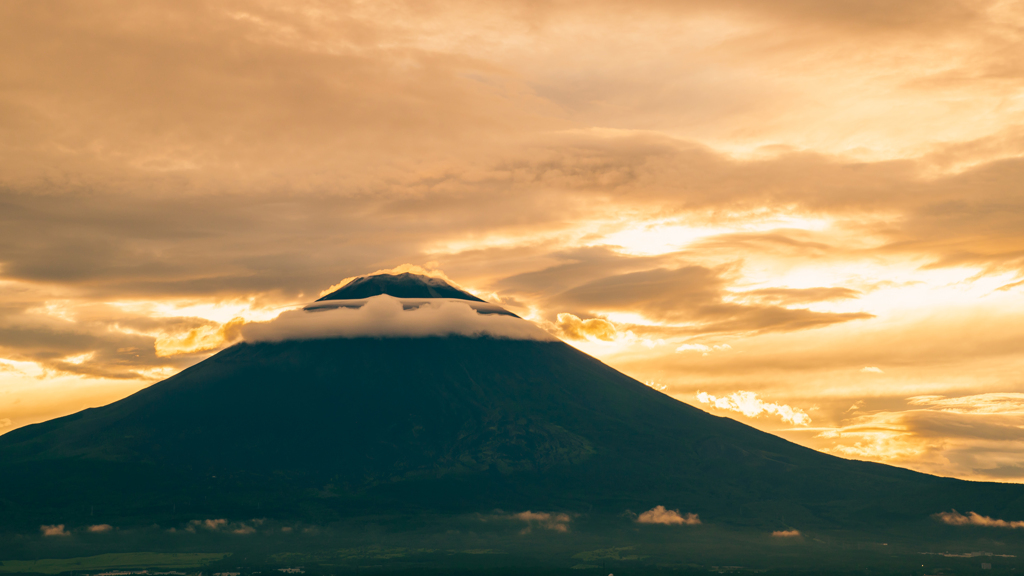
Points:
[572,327]
[660,211]
[199,339]
[559,522]
[659,515]
[974,519]
[54,530]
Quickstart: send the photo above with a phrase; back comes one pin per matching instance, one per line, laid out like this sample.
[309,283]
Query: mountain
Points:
[405,285]
[326,429]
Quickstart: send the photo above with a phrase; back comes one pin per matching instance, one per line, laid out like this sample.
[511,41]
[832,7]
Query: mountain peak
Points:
[405,285]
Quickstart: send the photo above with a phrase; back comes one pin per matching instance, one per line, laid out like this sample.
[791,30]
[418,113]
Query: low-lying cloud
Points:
[54,530]
[785,533]
[659,515]
[100,528]
[222,525]
[748,404]
[955,518]
[384,316]
[556,521]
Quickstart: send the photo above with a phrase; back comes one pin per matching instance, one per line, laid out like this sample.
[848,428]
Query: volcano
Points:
[471,410]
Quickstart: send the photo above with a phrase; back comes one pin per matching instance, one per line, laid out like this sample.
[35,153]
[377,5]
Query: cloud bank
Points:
[384,316]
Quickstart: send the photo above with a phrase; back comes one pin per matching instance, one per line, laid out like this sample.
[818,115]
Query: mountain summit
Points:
[321,429]
[404,285]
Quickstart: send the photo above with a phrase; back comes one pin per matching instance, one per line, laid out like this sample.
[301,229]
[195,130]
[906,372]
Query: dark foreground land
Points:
[498,544]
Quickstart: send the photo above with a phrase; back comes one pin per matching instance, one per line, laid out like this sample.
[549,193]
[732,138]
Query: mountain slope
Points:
[339,427]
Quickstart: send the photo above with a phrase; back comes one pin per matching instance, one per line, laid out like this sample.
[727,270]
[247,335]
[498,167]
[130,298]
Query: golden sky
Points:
[808,216]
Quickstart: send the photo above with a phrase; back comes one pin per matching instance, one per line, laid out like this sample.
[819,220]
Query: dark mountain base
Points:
[429,437]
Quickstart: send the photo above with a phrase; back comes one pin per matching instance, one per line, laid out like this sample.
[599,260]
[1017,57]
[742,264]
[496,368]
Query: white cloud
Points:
[385,316]
[748,404]
[786,533]
[659,515]
[54,530]
[974,519]
[872,370]
[100,528]
[703,348]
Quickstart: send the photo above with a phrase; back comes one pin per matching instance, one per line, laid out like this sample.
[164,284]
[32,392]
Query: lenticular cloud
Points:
[385,316]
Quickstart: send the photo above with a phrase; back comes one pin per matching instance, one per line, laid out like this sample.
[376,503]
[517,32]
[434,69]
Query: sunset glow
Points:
[803,216]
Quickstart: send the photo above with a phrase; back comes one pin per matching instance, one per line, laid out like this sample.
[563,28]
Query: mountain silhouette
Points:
[330,428]
[404,285]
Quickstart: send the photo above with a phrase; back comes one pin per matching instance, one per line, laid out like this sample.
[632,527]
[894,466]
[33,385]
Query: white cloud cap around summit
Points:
[384,316]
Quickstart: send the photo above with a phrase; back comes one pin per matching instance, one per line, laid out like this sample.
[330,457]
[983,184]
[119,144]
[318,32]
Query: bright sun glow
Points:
[666,236]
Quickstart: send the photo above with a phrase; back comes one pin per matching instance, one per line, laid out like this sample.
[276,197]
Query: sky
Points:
[808,216]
